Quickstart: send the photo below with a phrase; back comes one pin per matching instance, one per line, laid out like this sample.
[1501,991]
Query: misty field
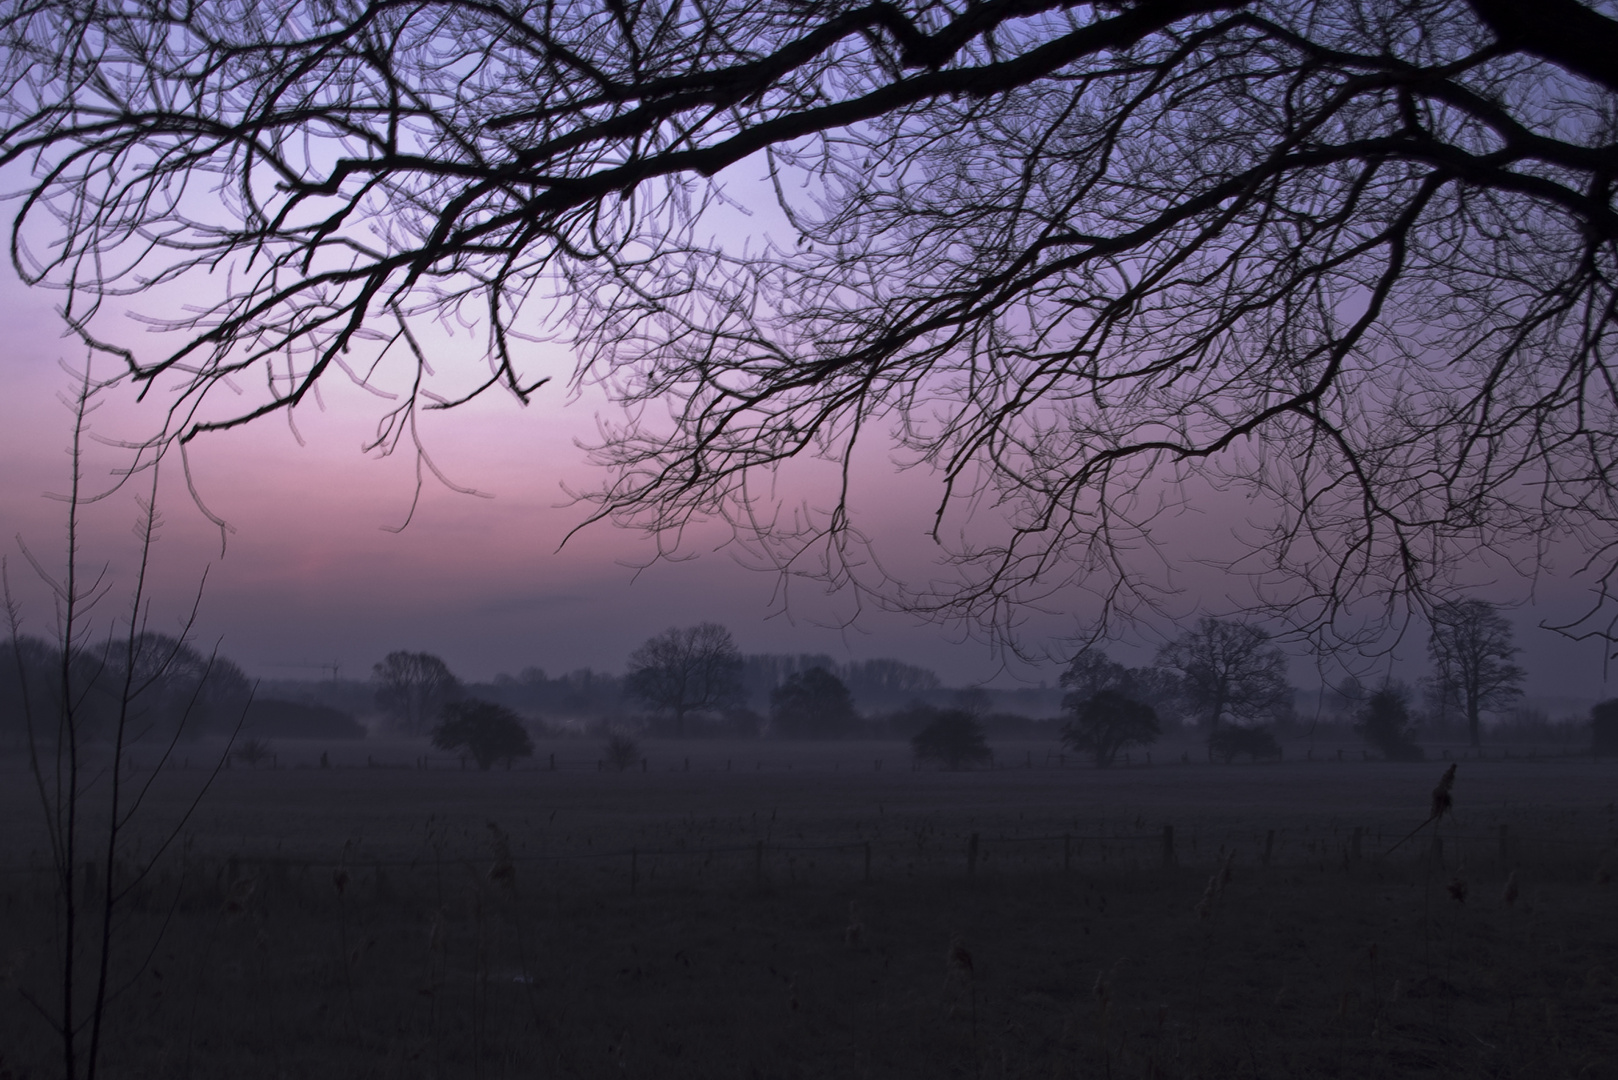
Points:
[746,910]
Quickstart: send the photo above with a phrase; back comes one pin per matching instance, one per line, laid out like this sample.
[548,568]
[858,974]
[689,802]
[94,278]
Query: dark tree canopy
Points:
[1232,740]
[1604,728]
[1471,650]
[1383,721]
[1092,672]
[1355,258]
[1106,722]
[1229,671]
[953,738]
[682,671]
[812,704]
[484,730]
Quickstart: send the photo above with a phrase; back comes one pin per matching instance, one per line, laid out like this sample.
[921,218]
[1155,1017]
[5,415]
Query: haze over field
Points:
[312,572]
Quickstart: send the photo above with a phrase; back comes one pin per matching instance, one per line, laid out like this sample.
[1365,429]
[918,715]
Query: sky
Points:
[312,571]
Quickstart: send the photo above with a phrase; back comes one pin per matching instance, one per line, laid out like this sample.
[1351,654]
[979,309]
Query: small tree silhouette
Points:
[953,738]
[487,731]
[251,752]
[1384,722]
[1231,740]
[1604,728]
[621,751]
[1107,722]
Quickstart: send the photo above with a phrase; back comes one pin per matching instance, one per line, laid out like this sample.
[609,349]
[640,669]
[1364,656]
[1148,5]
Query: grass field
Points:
[769,913]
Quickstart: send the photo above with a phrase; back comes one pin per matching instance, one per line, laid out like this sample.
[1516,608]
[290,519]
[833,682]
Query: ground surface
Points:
[766,912]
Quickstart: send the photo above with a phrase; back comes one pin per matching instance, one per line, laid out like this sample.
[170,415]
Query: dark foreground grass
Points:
[457,961]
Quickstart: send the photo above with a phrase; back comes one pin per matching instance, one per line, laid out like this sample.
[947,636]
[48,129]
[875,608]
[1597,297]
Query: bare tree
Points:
[413,687]
[1229,670]
[1357,258]
[686,670]
[98,813]
[1471,652]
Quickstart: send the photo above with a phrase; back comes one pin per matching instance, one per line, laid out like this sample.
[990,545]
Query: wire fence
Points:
[762,863]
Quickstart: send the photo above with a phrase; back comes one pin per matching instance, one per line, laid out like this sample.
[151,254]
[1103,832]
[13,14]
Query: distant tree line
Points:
[175,689]
[1223,677]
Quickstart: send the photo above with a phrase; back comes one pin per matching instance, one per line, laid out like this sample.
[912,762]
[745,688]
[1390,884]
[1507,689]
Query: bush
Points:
[1233,739]
[1384,723]
[1604,728]
[953,738]
[486,731]
[251,752]
[621,751]
[1107,722]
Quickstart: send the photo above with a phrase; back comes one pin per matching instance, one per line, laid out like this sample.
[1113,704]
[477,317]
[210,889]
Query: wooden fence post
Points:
[1168,845]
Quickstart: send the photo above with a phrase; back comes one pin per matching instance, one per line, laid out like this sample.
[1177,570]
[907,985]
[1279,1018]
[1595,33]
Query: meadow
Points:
[755,910]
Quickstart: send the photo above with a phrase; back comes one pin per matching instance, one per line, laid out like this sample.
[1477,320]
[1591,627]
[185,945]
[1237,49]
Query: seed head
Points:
[1443,801]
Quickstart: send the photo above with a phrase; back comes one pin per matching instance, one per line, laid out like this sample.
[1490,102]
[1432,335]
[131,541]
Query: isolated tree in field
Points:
[681,671]
[812,704]
[1383,721]
[1229,671]
[484,730]
[1356,260]
[1471,650]
[413,687]
[954,738]
[1108,721]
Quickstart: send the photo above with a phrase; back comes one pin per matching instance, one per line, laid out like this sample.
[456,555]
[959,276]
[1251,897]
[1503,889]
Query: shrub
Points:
[1384,722]
[953,738]
[1233,739]
[486,731]
[1604,728]
[251,752]
[1108,721]
[621,751]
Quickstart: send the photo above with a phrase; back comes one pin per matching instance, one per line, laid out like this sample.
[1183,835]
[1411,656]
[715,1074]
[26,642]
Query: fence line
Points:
[1349,846]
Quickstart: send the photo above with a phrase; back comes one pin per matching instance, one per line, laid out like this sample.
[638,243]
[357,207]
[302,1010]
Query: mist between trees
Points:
[1221,684]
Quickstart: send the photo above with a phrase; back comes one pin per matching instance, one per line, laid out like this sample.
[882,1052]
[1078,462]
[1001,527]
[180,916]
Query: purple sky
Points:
[312,575]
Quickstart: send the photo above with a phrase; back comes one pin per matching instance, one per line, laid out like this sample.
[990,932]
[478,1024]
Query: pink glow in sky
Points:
[312,574]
